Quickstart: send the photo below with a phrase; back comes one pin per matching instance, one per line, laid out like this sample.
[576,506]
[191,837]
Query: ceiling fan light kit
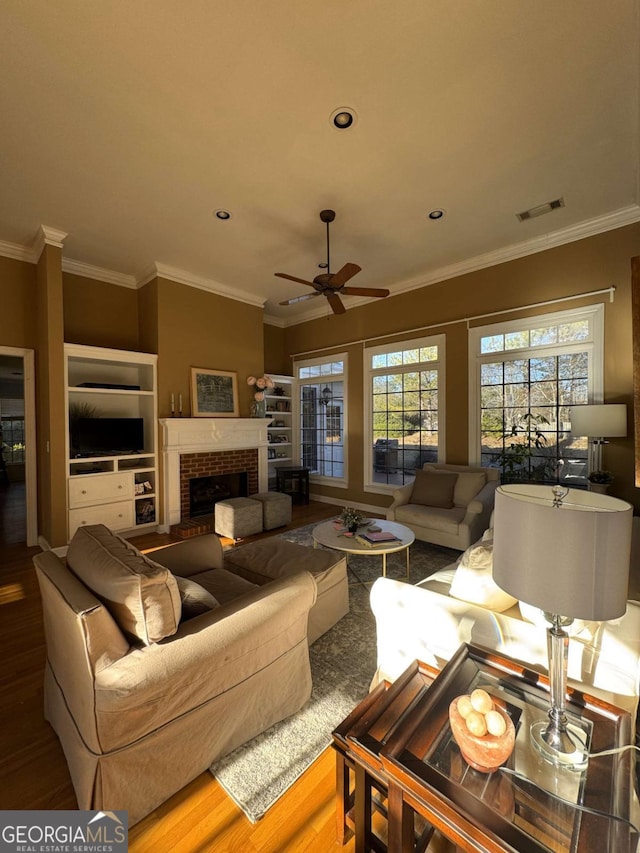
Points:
[329,284]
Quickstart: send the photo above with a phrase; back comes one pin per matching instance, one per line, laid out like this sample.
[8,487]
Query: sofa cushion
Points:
[444,520]
[433,491]
[223,585]
[473,579]
[195,598]
[467,487]
[142,596]
[272,558]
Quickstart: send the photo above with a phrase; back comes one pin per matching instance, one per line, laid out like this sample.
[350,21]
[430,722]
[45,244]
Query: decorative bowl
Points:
[484,753]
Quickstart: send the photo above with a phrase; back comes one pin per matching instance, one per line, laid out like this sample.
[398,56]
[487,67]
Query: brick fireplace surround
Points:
[208,446]
[211,465]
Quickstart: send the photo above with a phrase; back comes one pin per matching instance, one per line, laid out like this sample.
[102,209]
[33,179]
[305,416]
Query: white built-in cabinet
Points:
[118,490]
[279,407]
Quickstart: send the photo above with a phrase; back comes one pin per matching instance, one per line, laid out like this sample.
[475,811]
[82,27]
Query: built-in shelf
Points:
[118,490]
[280,409]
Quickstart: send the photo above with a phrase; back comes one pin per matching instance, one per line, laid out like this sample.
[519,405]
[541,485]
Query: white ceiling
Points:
[127,124]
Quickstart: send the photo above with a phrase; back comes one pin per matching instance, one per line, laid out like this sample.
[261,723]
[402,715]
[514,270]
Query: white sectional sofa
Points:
[431,620]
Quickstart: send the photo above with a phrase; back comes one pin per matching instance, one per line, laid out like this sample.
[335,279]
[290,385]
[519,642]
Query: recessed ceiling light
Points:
[223,214]
[436,214]
[343,118]
[547,207]
[323,265]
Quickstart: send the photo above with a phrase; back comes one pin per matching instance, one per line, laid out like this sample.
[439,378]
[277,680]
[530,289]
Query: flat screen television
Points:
[107,436]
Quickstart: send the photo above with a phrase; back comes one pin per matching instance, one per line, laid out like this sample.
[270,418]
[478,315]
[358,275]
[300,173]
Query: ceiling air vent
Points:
[540,209]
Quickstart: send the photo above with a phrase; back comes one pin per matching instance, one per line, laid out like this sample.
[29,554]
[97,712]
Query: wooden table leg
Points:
[362,810]
[343,798]
[400,820]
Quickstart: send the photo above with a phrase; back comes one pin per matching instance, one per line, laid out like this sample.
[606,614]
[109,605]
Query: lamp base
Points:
[567,746]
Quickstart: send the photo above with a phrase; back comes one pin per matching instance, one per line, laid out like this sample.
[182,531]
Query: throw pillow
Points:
[467,487]
[473,580]
[142,596]
[433,491]
[195,598]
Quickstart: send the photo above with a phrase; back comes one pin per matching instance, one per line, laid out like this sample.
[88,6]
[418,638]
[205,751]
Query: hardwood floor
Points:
[200,817]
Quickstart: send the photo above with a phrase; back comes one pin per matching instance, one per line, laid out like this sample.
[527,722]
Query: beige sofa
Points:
[152,675]
[452,511]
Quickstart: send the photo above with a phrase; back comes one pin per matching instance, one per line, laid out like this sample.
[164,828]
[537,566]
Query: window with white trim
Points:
[525,376]
[404,410]
[322,399]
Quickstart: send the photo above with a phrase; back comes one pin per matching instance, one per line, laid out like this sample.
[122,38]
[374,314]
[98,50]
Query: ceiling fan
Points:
[332,284]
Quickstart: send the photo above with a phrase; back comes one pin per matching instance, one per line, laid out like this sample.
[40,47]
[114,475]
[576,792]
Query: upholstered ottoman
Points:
[268,559]
[238,517]
[276,509]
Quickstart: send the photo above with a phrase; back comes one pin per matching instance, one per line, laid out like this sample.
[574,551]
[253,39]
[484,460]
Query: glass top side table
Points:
[528,805]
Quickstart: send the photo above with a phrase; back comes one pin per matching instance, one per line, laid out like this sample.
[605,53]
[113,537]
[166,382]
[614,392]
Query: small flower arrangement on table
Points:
[351,518]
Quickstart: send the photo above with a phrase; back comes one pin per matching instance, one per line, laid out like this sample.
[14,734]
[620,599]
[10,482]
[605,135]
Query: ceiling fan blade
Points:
[300,298]
[336,303]
[364,291]
[342,276]
[294,278]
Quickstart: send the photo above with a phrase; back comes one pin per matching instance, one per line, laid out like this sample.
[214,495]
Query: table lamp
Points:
[598,423]
[567,552]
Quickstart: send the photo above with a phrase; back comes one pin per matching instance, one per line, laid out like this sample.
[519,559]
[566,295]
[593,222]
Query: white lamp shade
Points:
[571,560]
[599,421]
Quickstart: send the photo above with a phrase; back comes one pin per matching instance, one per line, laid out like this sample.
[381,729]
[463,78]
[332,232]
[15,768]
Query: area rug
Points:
[343,662]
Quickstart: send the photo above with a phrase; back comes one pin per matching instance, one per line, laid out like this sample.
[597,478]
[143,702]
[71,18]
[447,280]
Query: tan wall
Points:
[18,305]
[276,357]
[148,317]
[591,264]
[99,314]
[201,329]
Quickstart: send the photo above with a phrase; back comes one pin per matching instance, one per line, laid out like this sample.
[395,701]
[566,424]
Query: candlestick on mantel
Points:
[173,405]
[180,404]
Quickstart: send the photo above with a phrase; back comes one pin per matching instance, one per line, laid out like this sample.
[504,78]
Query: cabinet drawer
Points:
[116,516]
[101,488]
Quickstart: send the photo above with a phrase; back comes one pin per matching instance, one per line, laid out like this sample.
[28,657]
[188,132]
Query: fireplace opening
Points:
[204,492]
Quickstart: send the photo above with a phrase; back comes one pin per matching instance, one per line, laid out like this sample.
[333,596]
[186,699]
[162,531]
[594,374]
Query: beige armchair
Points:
[462,503]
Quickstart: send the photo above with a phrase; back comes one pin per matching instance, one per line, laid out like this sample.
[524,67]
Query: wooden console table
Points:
[399,770]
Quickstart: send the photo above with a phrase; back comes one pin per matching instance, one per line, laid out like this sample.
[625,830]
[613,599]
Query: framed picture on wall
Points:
[214,393]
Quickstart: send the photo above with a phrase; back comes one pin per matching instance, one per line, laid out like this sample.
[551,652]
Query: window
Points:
[405,410]
[12,429]
[321,390]
[525,376]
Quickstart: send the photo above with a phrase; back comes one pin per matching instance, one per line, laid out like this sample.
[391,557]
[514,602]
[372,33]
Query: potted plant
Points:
[599,481]
[523,440]
[351,518]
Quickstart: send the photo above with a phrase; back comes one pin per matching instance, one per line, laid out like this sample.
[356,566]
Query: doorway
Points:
[17,448]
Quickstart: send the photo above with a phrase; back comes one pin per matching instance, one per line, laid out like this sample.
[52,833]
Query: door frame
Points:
[30,467]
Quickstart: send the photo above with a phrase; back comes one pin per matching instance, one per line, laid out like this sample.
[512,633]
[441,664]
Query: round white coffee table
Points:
[329,535]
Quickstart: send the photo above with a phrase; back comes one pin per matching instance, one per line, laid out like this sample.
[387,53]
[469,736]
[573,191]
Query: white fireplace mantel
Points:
[204,435]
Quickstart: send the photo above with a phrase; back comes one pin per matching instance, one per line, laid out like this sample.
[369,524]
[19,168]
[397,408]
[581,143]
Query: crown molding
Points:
[17,252]
[589,228]
[99,273]
[47,236]
[553,239]
[211,286]
[272,320]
